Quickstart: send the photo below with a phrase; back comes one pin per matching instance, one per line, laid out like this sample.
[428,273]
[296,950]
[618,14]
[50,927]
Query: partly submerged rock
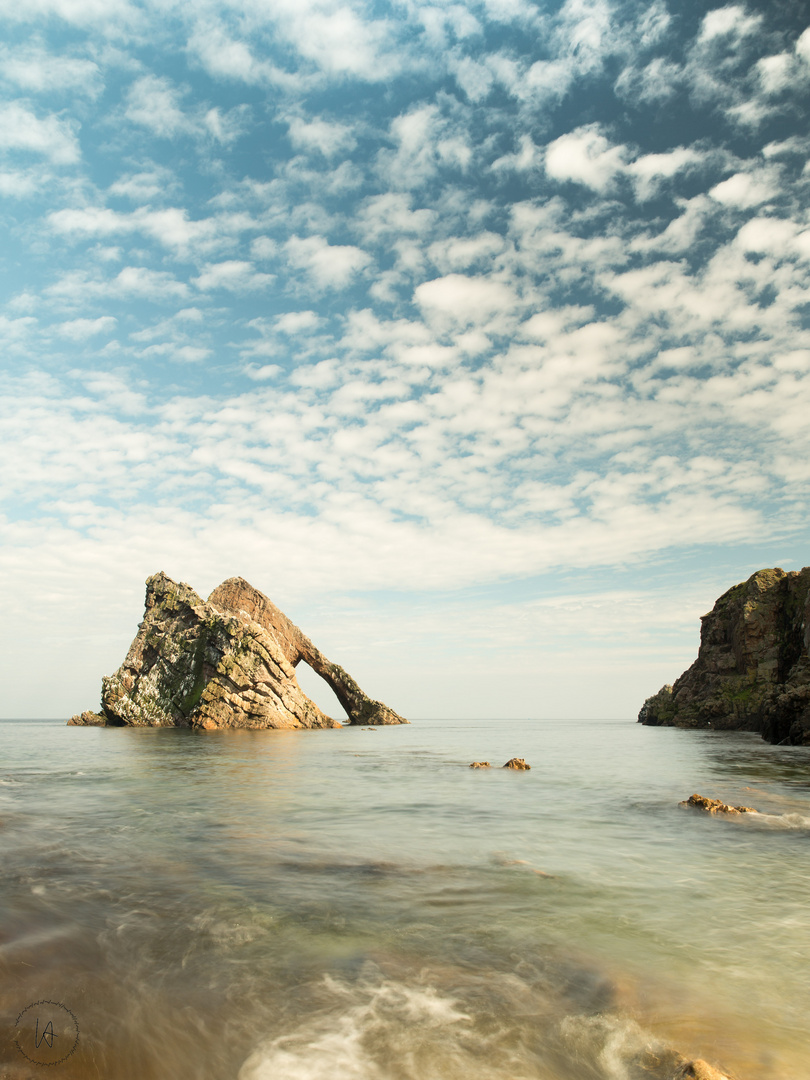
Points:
[698,1070]
[88,719]
[516,763]
[480,765]
[715,806]
[228,662]
[752,672]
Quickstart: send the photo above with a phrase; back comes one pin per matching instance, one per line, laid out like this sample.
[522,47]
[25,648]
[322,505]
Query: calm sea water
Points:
[360,905]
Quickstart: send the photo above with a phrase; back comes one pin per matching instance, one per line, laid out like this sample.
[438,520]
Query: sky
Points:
[476,335]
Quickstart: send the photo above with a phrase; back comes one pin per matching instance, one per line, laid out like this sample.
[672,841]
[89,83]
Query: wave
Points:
[777,821]
[385,1029]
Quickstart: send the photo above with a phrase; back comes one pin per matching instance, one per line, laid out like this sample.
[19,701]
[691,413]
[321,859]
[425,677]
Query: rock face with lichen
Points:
[239,598]
[228,662]
[752,672]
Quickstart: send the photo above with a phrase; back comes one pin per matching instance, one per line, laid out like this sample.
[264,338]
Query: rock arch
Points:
[222,663]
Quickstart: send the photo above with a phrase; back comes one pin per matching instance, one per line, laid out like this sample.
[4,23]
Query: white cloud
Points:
[154,102]
[327,266]
[745,190]
[233,275]
[52,137]
[586,33]
[527,157]
[226,57]
[179,354]
[683,231]
[730,21]
[459,301]
[775,72]
[461,253]
[263,373]
[779,237]
[34,69]
[339,41]
[586,157]
[16,329]
[175,325]
[648,171]
[656,82]
[133,281]
[293,322]
[82,329]
[264,247]
[327,137]
[147,186]
[115,13]
[391,214]
[654,24]
[425,142]
[474,77]
[170,227]
[15,184]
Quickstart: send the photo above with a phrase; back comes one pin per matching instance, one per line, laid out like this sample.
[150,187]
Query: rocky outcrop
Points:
[752,672]
[228,662]
[88,719]
[239,598]
[715,806]
[516,763]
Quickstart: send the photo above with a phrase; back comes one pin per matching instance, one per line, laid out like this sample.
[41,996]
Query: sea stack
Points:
[228,662]
[752,672]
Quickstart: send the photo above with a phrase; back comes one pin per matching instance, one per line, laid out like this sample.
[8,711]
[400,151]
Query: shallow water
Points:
[360,905]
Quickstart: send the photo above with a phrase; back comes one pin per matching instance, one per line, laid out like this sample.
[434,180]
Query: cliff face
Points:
[753,667]
[228,662]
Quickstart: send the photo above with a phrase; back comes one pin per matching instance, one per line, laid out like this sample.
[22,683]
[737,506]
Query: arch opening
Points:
[318,690]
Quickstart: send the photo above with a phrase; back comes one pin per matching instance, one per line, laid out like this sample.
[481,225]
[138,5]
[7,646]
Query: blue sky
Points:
[476,335]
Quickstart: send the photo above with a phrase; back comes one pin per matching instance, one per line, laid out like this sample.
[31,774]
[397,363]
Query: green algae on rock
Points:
[228,662]
[752,672]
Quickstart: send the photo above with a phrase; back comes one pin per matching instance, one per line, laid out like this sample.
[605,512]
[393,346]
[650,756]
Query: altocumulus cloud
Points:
[490,318]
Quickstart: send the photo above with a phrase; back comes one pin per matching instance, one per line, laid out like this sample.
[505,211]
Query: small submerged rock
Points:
[480,765]
[516,763]
[715,806]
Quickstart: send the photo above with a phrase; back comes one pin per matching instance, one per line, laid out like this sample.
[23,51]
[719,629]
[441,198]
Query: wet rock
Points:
[516,763]
[88,719]
[698,1070]
[715,806]
[752,672]
[480,765]
[228,662]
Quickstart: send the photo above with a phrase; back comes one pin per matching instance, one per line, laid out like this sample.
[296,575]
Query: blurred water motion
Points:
[293,905]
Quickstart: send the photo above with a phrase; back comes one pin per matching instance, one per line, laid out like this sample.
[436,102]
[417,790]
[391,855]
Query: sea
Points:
[357,904]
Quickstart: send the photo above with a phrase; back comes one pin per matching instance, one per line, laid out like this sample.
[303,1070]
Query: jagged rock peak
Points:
[228,662]
[752,672]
